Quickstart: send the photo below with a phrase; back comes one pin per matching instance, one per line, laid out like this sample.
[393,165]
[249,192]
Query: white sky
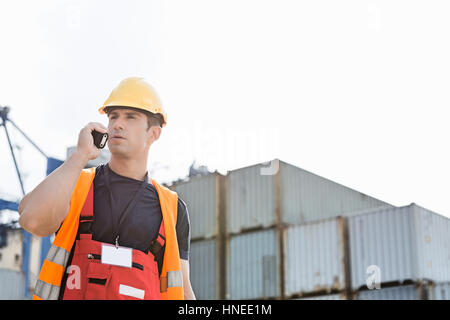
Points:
[354,91]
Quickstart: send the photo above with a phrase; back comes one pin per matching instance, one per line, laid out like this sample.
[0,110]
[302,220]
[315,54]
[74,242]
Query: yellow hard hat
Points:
[135,92]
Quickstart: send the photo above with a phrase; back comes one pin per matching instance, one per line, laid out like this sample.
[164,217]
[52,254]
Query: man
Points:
[118,234]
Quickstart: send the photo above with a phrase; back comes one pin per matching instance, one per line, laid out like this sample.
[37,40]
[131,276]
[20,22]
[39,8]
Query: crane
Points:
[52,164]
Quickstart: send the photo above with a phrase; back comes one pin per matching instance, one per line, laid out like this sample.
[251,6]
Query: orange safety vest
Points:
[49,282]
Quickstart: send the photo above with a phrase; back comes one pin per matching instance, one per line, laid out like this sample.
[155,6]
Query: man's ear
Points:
[156,131]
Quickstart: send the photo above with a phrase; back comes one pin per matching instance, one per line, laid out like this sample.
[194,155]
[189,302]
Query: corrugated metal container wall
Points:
[315,257]
[337,296]
[384,239]
[253,198]
[432,236]
[201,197]
[12,285]
[253,266]
[440,291]
[409,292]
[308,197]
[406,243]
[204,269]
[250,198]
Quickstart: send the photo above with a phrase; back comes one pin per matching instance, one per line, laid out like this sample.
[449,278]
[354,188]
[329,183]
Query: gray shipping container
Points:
[204,269]
[253,265]
[440,291]
[290,195]
[316,257]
[336,296]
[202,197]
[406,243]
[408,292]
[12,285]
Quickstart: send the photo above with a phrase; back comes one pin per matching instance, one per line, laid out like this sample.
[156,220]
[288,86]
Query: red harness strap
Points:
[88,278]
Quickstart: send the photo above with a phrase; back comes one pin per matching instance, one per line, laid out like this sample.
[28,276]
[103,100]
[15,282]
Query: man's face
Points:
[128,134]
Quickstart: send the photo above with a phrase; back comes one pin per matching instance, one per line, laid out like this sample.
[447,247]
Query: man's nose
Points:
[118,124]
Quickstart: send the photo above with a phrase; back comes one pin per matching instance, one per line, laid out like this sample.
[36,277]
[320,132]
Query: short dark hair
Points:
[153,119]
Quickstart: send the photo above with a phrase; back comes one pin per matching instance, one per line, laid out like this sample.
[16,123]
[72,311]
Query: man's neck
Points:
[131,168]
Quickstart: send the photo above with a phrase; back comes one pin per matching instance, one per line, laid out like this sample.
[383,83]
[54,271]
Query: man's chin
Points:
[118,151]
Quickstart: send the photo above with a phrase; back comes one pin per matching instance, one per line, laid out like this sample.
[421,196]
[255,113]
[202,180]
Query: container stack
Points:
[405,249]
[203,196]
[275,231]
[284,237]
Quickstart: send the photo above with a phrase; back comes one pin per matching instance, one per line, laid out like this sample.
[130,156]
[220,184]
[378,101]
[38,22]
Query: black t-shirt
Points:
[141,225]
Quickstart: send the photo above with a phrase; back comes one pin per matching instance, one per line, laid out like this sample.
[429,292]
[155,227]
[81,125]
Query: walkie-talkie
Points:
[99,139]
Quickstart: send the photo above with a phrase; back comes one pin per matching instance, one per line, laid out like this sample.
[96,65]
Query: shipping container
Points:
[440,291]
[253,265]
[258,197]
[408,292]
[204,269]
[12,285]
[399,244]
[316,257]
[336,296]
[251,201]
[202,196]
[307,197]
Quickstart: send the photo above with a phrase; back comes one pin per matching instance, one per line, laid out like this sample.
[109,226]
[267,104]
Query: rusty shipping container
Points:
[397,245]
[336,296]
[316,257]
[439,291]
[266,195]
[204,269]
[253,266]
[203,198]
[407,292]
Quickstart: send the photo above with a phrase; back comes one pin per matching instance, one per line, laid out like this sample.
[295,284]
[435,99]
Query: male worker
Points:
[119,234]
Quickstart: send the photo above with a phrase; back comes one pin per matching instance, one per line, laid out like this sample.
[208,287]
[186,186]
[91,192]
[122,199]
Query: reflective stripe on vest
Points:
[173,279]
[45,290]
[58,255]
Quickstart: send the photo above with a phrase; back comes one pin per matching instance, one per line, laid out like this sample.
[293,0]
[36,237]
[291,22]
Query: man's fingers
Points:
[97,127]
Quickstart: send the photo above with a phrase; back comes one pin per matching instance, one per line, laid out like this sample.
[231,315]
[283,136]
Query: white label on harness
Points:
[132,292]
[120,256]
